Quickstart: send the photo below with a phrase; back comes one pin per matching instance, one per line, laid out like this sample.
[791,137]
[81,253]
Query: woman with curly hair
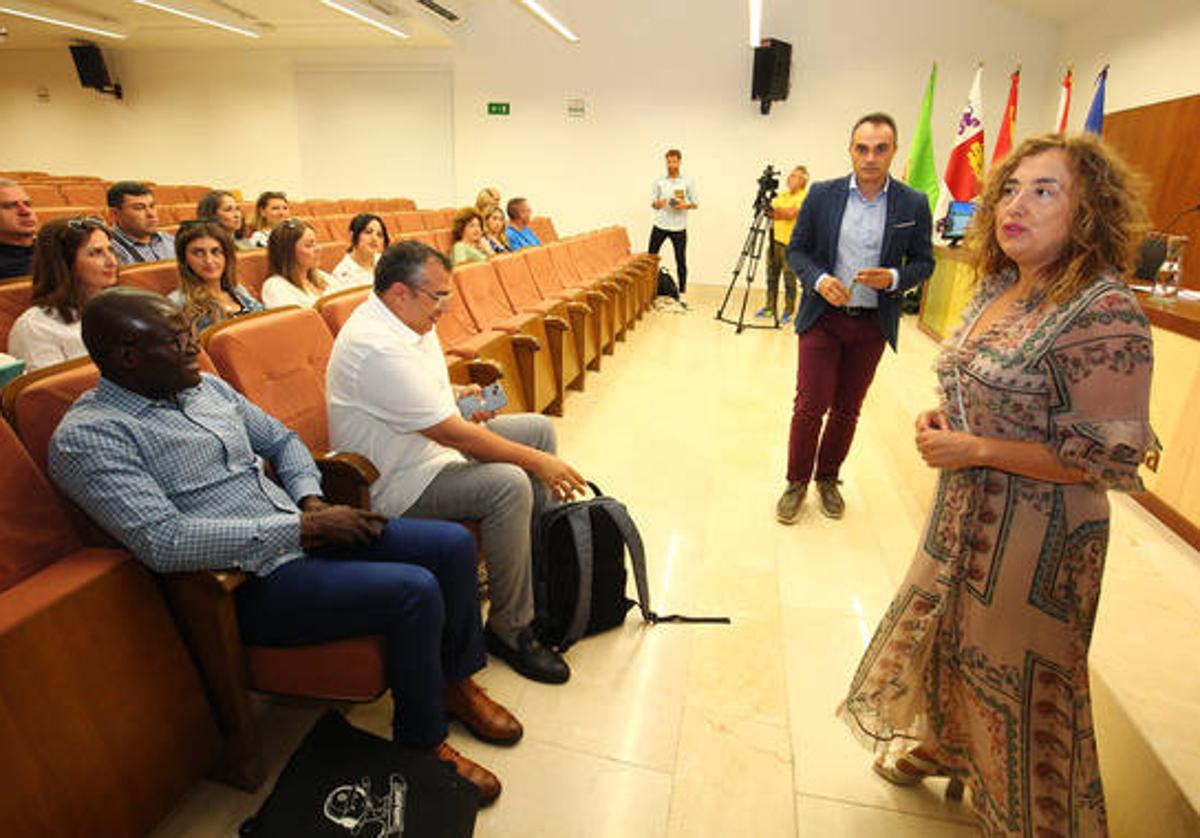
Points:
[978,670]
[468,237]
[208,289]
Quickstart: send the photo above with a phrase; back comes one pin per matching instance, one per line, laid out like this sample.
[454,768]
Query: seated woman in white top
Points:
[368,240]
[295,279]
[222,207]
[495,230]
[270,210]
[468,237]
[73,259]
[208,289]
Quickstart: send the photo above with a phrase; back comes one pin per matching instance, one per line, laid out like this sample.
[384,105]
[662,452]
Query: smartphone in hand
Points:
[492,399]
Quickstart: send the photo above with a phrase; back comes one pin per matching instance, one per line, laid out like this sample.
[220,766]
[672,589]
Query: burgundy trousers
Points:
[838,357]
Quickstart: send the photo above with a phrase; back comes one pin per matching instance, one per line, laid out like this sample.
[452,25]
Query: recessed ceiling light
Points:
[198,18]
[550,20]
[33,13]
[366,14]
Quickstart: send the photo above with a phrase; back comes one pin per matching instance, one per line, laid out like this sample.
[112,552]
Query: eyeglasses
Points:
[440,298]
[86,223]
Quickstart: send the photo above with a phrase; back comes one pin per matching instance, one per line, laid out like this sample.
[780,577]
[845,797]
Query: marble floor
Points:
[683,730]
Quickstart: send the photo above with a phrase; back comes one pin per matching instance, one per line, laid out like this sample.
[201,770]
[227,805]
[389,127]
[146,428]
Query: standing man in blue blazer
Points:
[860,242]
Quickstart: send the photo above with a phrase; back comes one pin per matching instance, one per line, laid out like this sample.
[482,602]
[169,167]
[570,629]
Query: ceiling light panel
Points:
[54,18]
[367,14]
[190,13]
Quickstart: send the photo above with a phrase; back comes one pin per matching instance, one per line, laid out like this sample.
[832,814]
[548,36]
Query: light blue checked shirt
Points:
[860,243]
[181,484]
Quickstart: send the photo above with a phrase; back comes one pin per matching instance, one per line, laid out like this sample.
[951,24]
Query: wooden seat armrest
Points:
[579,308]
[556,323]
[528,342]
[484,371]
[346,478]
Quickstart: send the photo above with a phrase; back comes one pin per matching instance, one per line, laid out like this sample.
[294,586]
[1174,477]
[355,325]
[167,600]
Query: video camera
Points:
[768,188]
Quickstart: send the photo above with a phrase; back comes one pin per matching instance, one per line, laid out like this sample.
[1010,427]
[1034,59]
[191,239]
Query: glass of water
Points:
[1170,273]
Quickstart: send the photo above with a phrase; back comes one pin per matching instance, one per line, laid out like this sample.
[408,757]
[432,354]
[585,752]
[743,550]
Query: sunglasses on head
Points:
[86,223]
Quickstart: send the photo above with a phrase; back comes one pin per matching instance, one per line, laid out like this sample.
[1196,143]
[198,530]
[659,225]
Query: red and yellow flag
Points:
[1008,125]
[964,170]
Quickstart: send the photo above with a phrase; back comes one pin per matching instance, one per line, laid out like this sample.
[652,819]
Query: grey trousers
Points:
[505,500]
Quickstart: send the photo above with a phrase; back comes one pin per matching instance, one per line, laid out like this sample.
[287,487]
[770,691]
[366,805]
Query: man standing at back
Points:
[785,209]
[860,242]
[135,224]
[18,225]
[671,197]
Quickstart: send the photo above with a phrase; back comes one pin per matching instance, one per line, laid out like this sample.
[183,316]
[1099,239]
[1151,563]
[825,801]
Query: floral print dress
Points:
[982,656]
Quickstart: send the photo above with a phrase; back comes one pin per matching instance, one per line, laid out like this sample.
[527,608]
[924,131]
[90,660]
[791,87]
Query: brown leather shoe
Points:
[485,782]
[831,498]
[469,703]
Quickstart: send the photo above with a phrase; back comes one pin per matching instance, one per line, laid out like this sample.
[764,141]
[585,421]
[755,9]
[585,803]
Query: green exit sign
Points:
[497,108]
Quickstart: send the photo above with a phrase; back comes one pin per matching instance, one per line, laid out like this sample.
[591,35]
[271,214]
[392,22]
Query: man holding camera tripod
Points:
[860,242]
[671,197]
[785,209]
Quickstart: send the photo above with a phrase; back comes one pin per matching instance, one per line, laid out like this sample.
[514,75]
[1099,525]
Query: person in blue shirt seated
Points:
[166,459]
[520,234]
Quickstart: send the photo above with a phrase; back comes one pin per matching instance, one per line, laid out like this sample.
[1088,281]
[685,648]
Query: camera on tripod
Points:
[768,188]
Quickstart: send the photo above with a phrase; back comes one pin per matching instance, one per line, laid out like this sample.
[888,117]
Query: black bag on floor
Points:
[344,782]
[666,284]
[579,571]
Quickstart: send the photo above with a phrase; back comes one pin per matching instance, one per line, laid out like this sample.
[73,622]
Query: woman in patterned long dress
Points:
[978,670]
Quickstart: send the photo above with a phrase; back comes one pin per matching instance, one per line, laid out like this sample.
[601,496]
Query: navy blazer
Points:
[906,247]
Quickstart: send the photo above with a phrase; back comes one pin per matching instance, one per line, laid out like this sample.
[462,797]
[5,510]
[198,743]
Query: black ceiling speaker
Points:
[93,73]
[772,72]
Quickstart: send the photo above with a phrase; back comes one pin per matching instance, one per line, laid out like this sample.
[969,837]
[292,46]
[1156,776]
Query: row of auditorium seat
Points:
[55,586]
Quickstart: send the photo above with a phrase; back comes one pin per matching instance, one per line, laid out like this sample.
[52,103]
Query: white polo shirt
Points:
[384,385]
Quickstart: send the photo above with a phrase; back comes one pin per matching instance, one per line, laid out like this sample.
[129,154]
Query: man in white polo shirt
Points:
[671,197]
[391,400]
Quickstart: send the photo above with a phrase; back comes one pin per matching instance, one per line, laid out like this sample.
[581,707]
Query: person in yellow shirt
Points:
[785,209]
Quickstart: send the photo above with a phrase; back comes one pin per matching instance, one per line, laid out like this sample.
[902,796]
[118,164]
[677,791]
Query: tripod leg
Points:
[747,250]
[757,231]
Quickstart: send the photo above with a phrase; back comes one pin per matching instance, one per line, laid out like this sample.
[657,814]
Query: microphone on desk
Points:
[1154,248]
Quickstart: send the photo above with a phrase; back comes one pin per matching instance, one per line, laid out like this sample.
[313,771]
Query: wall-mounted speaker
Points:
[93,72]
[772,72]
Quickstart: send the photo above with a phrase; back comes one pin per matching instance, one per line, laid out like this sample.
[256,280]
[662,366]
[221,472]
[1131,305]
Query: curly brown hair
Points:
[462,218]
[1110,216]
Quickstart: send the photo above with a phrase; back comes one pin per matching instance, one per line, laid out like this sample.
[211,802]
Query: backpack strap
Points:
[581,531]
[637,557]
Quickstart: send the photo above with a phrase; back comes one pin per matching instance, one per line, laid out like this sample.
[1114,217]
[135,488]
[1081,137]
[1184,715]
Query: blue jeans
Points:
[416,585]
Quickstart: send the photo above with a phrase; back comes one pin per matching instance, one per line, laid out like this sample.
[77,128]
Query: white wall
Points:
[1153,50]
[653,74]
[662,74]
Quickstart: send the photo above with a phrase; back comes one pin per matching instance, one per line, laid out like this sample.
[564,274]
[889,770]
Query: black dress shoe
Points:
[530,657]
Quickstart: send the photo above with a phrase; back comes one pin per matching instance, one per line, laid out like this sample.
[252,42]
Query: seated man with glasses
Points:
[166,459]
[135,224]
[391,400]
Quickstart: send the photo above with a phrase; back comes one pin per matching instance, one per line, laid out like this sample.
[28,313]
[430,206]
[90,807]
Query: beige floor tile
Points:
[553,792]
[732,778]
[738,670]
[818,817]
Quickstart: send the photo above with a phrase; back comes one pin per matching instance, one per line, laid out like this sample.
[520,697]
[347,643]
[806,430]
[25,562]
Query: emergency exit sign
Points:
[497,108]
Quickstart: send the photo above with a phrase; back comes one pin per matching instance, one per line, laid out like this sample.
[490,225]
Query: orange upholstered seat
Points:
[335,309]
[512,269]
[543,228]
[85,194]
[161,277]
[105,722]
[15,296]
[479,287]
[44,194]
[252,270]
[277,359]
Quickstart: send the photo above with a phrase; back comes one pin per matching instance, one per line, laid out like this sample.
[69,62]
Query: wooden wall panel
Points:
[1160,141]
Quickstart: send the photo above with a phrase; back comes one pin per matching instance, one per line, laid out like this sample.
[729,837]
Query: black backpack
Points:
[579,571]
[344,782]
[666,284]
